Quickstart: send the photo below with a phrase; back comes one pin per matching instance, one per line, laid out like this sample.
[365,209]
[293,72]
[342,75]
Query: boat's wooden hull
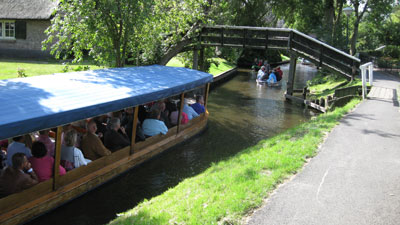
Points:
[21,207]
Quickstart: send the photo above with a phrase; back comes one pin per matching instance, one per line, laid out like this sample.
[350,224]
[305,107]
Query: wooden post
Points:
[195,59]
[201,59]
[290,45]
[180,112]
[305,92]
[244,38]
[292,73]
[321,55]
[134,126]
[57,158]
[207,89]
[222,37]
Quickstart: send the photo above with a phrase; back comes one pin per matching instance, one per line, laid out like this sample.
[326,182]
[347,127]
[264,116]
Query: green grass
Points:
[284,57]
[8,69]
[222,66]
[323,84]
[230,189]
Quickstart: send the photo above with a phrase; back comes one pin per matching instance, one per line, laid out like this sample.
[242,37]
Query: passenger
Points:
[278,73]
[18,177]
[72,156]
[115,138]
[42,163]
[267,66]
[128,124]
[101,123]
[254,66]
[189,110]
[45,139]
[199,105]
[164,113]
[92,147]
[153,125]
[173,116]
[261,73]
[272,78]
[28,141]
[17,146]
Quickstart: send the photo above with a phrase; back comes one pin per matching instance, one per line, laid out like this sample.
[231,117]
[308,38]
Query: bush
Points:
[392,51]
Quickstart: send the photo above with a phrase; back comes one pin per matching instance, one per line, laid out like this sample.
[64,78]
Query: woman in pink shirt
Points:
[41,163]
[45,139]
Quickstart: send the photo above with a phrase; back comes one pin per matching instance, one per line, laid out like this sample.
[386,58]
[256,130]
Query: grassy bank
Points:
[324,84]
[9,69]
[222,66]
[229,189]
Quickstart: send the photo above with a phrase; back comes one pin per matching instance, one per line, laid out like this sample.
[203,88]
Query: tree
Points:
[378,9]
[117,31]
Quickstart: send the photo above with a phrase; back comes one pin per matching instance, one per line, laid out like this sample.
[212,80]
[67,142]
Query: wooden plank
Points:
[241,46]
[13,201]
[134,126]
[57,158]
[305,102]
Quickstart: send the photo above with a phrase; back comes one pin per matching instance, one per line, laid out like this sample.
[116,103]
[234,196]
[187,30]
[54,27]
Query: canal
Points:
[241,114]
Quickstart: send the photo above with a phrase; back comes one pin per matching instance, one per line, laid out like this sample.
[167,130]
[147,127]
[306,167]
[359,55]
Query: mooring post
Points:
[292,72]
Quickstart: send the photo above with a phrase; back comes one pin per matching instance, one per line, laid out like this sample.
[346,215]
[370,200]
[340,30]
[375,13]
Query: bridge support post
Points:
[201,59]
[195,59]
[292,73]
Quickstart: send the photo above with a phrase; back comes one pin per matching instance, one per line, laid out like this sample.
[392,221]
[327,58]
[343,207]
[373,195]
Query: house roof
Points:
[23,9]
[41,102]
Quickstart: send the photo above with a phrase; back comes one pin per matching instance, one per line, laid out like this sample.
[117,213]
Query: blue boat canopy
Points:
[41,102]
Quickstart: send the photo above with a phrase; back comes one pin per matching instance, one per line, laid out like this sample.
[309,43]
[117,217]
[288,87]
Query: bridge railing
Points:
[283,39]
[364,68]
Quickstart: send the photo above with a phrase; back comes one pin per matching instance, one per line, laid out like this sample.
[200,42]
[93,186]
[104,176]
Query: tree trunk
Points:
[329,18]
[354,37]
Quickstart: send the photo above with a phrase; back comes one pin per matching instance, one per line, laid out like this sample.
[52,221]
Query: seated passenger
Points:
[189,110]
[173,116]
[278,73]
[42,163]
[18,177]
[115,138]
[92,147]
[261,73]
[272,78]
[164,113]
[153,125]
[45,139]
[199,105]
[70,154]
[127,123]
[17,146]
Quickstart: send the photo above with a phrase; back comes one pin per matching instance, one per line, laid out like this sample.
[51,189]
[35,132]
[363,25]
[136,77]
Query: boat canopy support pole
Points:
[180,112]
[292,73]
[134,127]
[57,158]
[207,89]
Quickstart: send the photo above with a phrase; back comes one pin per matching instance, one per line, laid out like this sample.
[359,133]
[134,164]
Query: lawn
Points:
[228,190]
[8,69]
[222,66]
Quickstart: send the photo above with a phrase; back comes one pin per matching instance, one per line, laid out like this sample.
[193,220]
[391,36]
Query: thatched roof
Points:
[27,9]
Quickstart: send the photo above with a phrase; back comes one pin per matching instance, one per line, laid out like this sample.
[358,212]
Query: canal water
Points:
[241,114]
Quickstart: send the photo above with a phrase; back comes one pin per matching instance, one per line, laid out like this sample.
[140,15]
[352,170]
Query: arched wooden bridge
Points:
[297,43]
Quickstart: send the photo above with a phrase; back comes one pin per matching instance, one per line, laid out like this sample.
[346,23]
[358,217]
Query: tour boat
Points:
[51,101]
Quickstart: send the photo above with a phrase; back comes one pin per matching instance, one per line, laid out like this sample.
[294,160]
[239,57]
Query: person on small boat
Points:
[199,105]
[272,78]
[267,66]
[173,116]
[18,177]
[72,156]
[115,138]
[42,163]
[45,139]
[189,110]
[17,146]
[278,73]
[91,145]
[261,73]
[153,125]
[127,123]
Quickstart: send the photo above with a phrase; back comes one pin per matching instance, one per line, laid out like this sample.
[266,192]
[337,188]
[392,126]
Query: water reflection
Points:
[241,114]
